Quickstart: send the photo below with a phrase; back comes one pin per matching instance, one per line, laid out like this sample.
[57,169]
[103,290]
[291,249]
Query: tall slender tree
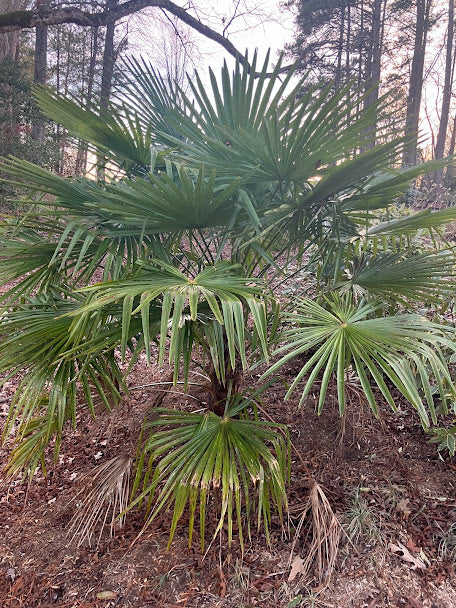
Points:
[415,90]
[40,64]
[108,58]
[9,41]
[447,91]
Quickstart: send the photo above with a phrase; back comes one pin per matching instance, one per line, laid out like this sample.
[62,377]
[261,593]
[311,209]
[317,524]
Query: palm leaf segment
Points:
[189,456]
[62,362]
[426,276]
[218,297]
[404,351]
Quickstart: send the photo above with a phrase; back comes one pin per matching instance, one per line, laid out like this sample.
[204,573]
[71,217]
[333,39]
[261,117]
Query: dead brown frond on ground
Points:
[324,533]
[102,499]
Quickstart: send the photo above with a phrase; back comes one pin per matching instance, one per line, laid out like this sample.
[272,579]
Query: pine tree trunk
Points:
[108,59]
[9,42]
[423,8]
[375,62]
[40,65]
[449,175]
[83,150]
[340,50]
[446,98]
[106,77]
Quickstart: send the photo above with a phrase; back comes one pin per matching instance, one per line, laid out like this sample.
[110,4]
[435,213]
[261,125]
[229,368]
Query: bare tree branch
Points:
[32,18]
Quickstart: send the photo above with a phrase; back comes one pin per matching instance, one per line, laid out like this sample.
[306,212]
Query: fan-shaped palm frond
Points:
[104,497]
[278,136]
[149,97]
[404,350]
[420,277]
[187,457]
[229,296]
[64,364]
[117,133]
[412,222]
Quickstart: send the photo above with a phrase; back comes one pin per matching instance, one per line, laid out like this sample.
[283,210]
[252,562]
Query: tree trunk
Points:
[375,61]
[348,42]
[108,59]
[446,99]
[361,51]
[106,76]
[423,8]
[40,65]
[83,150]
[9,41]
[41,36]
[340,50]
[449,175]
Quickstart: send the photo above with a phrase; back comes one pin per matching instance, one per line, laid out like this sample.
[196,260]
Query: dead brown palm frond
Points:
[325,532]
[103,499]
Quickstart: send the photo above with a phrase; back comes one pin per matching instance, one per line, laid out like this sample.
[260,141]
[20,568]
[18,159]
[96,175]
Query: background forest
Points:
[400,47]
[227,355]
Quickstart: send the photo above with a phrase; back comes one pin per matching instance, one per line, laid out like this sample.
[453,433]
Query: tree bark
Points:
[108,58]
[449,175]
[374,62]
[81,163]
[40,64]
[340,49]
[41,44]
[446,97]
[375,55]
[106,76]
[9,41]
[423,8]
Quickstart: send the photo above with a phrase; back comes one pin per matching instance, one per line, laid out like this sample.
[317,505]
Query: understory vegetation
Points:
[205,209]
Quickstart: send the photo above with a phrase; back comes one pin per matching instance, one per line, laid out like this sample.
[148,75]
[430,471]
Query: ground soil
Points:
[407,492]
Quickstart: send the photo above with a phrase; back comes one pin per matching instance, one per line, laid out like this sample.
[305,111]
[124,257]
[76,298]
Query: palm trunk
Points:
[218,391]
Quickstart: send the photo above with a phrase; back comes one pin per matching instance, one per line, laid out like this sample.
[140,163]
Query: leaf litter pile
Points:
[372,520]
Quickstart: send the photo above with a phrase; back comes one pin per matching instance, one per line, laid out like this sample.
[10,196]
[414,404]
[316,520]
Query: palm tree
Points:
[208,204]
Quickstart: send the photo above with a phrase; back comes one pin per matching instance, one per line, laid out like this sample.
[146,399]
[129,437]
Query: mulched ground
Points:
[401,556]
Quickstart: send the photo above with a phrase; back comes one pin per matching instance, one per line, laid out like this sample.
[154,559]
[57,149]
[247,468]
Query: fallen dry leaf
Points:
[404,507]
[106,595]
[297,567]
[415,562]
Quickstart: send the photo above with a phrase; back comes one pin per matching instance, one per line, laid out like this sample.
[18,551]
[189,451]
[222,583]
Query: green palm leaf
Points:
[421,277]
[406,351]
[411,223]
[122,140]
[228,296]
[240,460]
[158,204]
[64,364]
